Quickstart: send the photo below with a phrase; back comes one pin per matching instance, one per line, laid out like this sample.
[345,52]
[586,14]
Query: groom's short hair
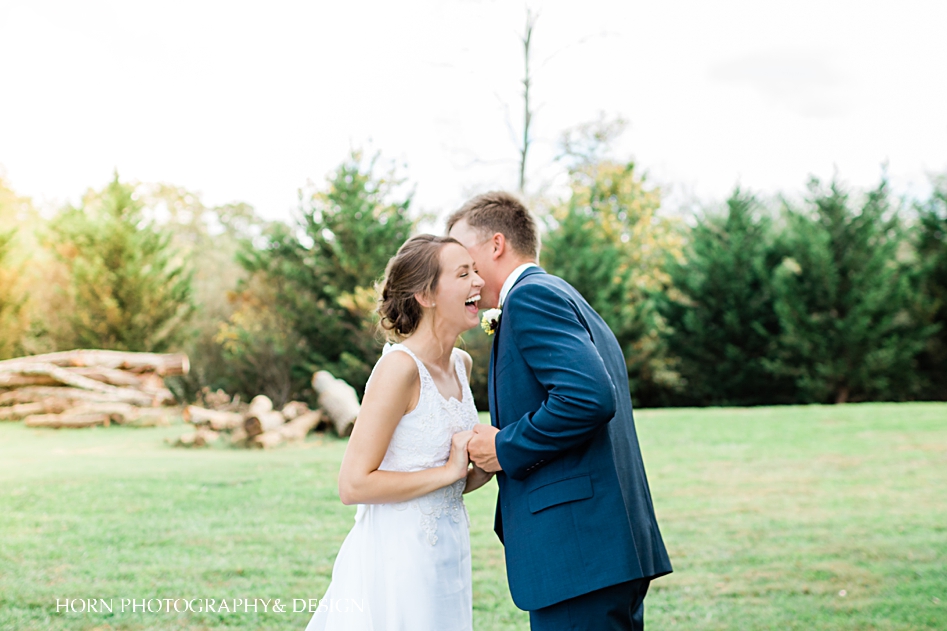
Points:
[499,211]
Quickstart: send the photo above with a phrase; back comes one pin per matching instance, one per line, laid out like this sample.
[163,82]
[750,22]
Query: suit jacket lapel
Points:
[494,352]
[491,381]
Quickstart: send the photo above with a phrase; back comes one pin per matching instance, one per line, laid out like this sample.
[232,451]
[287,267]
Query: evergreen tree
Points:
[609,242]
[932,251]
[129,288]
[16,214]
[844,300]
[323,270]
[720,308]
[11,299]
[211,237]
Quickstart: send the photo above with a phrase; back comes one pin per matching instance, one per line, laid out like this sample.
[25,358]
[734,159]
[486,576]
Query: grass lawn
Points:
[775,518]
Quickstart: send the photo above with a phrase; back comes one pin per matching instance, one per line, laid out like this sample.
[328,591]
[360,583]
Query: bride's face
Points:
[457,296]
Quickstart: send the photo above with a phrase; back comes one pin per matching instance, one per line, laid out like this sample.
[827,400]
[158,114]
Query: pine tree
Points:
[844,300]
[609,242]
[19,270]
[323,269]
[932,251]
[130,289]
[720,308]
[12,299]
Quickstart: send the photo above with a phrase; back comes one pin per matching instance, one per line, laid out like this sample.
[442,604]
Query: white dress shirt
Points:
[511,280]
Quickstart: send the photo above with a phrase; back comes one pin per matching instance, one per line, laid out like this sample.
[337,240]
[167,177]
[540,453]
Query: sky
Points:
[248,102]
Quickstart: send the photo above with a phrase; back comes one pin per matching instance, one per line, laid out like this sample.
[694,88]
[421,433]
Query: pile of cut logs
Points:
[85,388]
[259,425]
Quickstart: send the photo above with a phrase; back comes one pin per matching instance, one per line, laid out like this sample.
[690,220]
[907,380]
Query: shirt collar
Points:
[511,280]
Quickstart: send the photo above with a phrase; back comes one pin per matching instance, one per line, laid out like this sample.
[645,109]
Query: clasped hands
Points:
[482,448]
[480,444]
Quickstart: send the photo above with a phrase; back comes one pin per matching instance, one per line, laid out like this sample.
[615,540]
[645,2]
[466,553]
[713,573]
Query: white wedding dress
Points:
[406,566]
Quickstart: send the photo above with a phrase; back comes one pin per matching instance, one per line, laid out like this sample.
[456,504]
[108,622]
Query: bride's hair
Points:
[413,270]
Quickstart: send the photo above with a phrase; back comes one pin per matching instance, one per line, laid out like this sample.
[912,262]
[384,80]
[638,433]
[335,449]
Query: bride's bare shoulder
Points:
[395,369]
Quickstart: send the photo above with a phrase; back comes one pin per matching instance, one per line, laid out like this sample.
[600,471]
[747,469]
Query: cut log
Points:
[34,394]
[118,413]
[215,419]
[339,401]
[110,376]
[69,378]
[21,395]
[293,409]
[263,422]
[57,421]
[22,410]
[166,365]
[16,380]
[299,427]
[154,385]
[293,431]
[259,405]
[201,437]
[217,400]
[266,440]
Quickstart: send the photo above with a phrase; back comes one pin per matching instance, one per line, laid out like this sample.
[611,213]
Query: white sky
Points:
[247,101]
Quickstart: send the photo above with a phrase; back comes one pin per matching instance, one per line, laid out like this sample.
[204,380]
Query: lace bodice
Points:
[422,440]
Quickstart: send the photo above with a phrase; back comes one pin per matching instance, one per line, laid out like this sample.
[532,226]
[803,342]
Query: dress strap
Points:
[459,367]
[422,369]
[399,347]
[426,377]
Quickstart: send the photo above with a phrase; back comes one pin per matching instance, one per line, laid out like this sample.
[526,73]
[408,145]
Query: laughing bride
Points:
[405,565]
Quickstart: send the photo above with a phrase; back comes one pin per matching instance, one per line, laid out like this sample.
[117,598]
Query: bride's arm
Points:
[388,394]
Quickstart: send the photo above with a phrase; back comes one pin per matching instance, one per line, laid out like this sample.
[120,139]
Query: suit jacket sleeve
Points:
[559,350]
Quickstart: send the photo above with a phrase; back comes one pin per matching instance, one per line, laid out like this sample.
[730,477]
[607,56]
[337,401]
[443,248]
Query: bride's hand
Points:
[458,460]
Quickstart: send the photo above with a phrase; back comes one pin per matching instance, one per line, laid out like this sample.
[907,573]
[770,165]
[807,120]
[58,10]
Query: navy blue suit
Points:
[574,510]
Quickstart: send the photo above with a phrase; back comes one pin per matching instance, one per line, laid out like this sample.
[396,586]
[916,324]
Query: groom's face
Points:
[480,247]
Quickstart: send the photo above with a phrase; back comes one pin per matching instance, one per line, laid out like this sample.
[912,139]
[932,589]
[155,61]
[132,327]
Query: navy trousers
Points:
[615,608]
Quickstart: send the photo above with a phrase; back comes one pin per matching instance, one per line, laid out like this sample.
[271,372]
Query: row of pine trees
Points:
[839,296]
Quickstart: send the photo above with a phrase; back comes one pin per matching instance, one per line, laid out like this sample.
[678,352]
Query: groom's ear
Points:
[499,245]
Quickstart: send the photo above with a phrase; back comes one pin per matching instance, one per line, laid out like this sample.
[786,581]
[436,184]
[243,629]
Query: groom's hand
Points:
[483,448]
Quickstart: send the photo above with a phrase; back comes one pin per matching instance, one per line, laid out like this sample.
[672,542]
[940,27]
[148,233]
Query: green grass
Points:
[768,514]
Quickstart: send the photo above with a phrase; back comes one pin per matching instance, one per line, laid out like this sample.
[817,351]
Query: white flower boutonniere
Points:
[491,320]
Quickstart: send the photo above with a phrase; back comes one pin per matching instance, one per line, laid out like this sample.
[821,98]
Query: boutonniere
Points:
[491,320]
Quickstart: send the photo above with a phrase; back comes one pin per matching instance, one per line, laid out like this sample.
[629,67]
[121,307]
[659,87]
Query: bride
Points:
[405,565]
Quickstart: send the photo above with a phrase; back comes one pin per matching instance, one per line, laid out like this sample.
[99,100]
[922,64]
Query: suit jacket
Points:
[574,511]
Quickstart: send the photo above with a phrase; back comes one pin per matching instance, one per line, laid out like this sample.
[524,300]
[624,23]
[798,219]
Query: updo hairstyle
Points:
[415,269]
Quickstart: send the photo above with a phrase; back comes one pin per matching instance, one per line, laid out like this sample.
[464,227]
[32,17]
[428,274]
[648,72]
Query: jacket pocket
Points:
[560,492]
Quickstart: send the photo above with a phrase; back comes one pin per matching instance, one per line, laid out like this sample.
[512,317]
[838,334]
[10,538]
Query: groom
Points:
[574,511]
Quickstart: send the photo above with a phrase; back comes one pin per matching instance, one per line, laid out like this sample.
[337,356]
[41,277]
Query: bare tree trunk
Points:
[527,112]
